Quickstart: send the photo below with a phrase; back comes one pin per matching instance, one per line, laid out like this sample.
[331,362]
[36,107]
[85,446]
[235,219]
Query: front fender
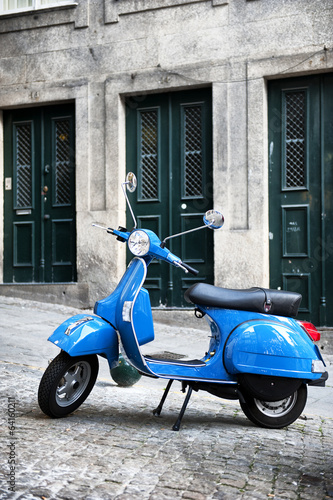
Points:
[269,347]
[87,334]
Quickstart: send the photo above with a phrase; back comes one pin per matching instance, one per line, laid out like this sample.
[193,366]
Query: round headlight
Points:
[139,243]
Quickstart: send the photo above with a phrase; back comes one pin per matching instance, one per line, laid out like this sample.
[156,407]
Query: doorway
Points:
[300,191]
[39,195]
[169,148]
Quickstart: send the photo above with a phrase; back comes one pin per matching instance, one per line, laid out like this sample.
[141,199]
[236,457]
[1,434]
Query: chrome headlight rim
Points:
[139,243]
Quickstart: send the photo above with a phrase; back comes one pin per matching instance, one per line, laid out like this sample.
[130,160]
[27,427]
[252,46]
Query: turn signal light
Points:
[311,330]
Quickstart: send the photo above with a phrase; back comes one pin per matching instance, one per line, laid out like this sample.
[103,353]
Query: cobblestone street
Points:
[113,447]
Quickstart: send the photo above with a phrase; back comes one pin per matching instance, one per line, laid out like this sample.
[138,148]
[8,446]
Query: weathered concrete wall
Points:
[98,52]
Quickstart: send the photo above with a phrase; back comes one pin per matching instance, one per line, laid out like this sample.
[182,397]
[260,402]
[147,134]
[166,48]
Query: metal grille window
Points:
[62,163]
[149,155]
[23,165]
[192,144]
[295,130]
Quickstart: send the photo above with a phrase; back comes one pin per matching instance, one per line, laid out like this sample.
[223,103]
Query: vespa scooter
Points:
[258,352]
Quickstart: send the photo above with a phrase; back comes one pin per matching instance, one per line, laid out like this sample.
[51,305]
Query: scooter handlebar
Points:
[123,235]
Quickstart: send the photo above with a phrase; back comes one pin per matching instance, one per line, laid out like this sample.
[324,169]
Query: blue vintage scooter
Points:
[258,353]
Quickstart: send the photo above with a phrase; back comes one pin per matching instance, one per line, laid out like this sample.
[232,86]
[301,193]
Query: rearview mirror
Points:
[213,219]
[131,182]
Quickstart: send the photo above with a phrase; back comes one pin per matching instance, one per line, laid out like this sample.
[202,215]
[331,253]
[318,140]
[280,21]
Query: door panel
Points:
[300,178]
[24,237]
[58,209]
[39,240]
[168,146]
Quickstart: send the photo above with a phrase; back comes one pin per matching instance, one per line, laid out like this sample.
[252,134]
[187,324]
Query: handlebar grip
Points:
[190,269]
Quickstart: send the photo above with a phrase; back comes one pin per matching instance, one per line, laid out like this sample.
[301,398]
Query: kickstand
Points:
[158,410]
[176,426]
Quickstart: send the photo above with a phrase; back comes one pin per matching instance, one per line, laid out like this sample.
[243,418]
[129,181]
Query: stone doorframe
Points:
[40,95]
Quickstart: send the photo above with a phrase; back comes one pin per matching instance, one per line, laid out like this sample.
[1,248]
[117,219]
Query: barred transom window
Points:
[10,6]
[192,151]
[149,154]
[23,165]
[62,163]
[295,130]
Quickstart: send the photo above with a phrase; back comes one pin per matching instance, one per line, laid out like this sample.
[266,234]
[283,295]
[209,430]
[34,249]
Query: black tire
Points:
[275,414]
[66,384]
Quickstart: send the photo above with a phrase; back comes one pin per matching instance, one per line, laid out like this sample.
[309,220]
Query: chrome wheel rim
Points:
[73,383]
[276,408]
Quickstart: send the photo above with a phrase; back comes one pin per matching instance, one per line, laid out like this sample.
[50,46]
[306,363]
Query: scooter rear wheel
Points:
[275,414]
[66,384]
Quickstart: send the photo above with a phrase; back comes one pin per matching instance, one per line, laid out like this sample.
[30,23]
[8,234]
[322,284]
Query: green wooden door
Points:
[169,147]
[301,184]
[39,193]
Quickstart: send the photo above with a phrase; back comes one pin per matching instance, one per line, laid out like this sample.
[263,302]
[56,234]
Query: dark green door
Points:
[169,147]
[301,187]
[39,239]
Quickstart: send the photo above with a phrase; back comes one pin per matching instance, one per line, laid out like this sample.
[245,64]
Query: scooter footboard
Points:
[87,334]
[268,347]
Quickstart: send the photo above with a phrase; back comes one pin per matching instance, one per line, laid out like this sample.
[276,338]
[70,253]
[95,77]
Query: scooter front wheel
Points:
[275,414]
[66,384]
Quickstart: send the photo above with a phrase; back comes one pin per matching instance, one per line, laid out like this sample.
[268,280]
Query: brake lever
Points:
[186,268]
[178,264]
[190,269]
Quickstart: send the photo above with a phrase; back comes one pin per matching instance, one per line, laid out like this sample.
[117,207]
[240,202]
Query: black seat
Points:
[262,300]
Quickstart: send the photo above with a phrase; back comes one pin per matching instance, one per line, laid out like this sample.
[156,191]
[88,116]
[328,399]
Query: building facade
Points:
[224,103]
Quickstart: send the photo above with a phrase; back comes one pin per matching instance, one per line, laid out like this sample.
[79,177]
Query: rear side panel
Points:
[268,347]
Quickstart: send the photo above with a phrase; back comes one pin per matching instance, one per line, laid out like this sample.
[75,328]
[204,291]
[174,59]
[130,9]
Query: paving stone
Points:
[113,447]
